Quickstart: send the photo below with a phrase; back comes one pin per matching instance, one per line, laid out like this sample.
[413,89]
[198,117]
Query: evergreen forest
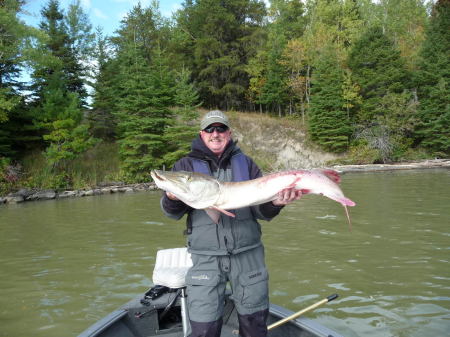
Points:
[366,79]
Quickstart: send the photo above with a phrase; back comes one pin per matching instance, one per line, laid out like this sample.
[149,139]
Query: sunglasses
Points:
[219,129]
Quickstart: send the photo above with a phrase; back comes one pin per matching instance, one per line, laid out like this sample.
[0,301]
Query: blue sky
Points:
[104,13]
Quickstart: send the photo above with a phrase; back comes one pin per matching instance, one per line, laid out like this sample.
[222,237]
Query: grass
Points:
[99,164]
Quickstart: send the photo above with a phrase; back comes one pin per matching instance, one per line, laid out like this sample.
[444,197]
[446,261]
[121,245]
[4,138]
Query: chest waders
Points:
[244,267]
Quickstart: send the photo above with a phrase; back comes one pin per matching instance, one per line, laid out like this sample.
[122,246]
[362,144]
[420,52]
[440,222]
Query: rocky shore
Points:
[119,187]
[105,188]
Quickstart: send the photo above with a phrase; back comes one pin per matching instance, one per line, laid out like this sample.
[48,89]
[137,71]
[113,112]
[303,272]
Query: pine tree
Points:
[143,115]
[11,33]
[59,45]
[79,30]
[59,93]
[275,90]
[184,126]
[144,91]
[61,119]
[151,135]
[18,48]
[329,124]
[102,121]
[81,43]
[387,108]
[223,36]
[378,69]
[433,131]
[289,14]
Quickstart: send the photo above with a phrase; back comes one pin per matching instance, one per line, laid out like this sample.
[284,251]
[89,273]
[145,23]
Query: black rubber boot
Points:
[253,325]
[208,329]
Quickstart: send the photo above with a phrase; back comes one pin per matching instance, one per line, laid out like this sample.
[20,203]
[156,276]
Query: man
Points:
[230,250]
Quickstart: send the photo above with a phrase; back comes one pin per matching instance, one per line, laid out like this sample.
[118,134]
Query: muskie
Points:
[201,191]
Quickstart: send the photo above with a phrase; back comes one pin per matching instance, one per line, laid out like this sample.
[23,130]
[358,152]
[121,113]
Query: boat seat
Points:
[171,267]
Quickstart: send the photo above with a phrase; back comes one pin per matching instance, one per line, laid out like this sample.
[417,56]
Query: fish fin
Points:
[305,191]
[332,175]
[224,211]
[214,213]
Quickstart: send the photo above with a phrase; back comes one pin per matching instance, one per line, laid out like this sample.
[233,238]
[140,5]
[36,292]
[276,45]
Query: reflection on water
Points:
[67,263]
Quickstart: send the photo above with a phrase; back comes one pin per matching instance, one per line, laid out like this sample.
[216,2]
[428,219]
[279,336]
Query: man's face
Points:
[216,141]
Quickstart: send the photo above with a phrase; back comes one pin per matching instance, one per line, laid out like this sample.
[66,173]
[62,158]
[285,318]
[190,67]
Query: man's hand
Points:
[171,196]
[287,196]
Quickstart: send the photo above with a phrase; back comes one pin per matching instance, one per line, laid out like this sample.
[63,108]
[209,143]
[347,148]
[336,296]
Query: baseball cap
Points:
[214,116]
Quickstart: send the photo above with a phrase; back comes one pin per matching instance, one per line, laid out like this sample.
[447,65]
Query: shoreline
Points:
[425,164]
[25,195]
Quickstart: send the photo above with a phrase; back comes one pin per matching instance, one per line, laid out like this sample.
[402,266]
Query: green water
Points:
[65,264]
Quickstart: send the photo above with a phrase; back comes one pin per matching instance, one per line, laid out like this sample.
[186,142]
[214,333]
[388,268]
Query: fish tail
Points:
[346,202]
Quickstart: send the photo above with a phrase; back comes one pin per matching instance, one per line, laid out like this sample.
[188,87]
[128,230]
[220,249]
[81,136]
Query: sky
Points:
[104,13]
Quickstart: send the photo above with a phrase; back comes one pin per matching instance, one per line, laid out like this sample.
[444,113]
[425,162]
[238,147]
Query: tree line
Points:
[366,78]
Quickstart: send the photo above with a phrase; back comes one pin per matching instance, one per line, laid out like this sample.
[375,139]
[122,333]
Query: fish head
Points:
[195,189]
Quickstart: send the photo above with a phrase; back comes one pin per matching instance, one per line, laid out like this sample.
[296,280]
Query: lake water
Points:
[64,264]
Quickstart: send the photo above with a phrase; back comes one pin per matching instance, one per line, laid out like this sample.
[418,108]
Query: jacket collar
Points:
[200,151]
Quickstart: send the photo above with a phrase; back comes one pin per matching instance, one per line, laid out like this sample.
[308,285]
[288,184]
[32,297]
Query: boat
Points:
[161,311]
[136,319]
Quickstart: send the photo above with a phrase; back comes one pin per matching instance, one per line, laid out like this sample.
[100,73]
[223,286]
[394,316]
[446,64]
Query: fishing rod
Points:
[301,312]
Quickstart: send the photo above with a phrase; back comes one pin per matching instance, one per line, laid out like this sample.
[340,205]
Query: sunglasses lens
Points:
[219,129]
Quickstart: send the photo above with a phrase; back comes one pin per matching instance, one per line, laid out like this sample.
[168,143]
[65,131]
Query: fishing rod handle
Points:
[332,297]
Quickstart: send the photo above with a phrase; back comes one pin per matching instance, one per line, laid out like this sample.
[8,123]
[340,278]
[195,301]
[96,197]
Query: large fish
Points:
[201,191]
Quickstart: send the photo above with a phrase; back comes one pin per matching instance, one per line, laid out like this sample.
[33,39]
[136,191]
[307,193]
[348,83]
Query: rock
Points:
[67,194]
[14,199]
[88,193]
[124,189]
[42,195]
[97,191]
[25,193]
[81,193]
[2,200]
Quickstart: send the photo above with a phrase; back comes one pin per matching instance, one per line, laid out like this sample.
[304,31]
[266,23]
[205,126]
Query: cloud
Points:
[86,4]
[99,14]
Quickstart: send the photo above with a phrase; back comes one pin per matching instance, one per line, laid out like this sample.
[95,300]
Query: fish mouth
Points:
[157,176]
[168,181]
